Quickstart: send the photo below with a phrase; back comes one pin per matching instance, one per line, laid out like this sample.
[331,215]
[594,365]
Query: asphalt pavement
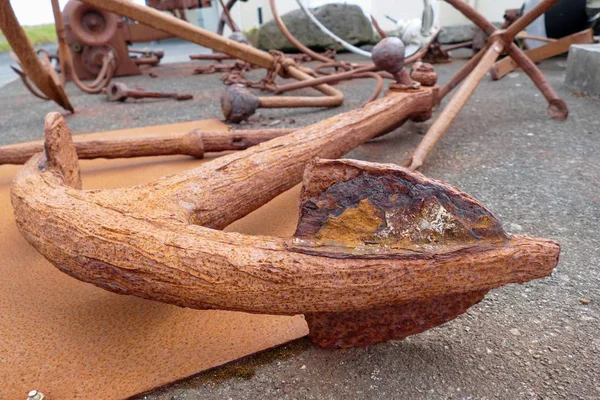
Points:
[541,177]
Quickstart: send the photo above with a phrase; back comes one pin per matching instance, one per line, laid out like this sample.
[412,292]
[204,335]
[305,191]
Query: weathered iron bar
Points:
[194,143]
[118,91]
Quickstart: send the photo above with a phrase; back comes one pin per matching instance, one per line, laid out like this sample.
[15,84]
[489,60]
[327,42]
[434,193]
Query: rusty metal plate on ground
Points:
[72,340]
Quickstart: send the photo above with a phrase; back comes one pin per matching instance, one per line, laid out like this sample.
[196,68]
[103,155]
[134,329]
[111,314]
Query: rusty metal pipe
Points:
[194,143]
[333,78]
[461,74]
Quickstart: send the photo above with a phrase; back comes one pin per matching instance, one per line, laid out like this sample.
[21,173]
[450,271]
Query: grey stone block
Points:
[583,69]
[346,21]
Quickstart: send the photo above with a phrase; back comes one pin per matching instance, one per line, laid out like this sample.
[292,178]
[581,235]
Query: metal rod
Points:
[461,74]
[194,143]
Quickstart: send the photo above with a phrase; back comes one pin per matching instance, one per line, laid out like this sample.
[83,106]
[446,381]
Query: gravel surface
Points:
[541,177]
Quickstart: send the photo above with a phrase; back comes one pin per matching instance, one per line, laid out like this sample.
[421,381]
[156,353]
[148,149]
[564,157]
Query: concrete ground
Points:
[541,177]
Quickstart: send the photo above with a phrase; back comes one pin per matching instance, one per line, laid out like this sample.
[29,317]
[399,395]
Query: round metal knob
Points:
[388,55]
[238,103]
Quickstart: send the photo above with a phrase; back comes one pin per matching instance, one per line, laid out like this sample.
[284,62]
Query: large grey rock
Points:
[583,66]
[456,34]
[346,21]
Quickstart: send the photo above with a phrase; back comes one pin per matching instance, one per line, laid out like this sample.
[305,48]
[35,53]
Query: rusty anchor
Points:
[380,252]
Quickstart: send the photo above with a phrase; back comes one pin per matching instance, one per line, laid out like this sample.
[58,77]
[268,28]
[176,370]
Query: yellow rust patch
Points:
[353,226]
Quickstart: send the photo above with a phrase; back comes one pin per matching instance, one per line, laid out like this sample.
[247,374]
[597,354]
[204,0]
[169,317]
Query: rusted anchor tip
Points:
[357,210]
[60,153]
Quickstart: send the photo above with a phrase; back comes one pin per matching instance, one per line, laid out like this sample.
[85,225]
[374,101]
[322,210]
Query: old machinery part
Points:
[275,62]
[118,91]
[89,25]
[106,60]
[41,74]
[194,143]
[379,253]
[91,34]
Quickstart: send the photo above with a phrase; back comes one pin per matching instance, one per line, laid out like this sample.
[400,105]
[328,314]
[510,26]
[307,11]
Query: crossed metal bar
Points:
[499,41]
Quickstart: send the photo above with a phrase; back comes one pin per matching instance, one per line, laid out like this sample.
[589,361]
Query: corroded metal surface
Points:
[355,209]
[118,91]
[370,237]
[361,329]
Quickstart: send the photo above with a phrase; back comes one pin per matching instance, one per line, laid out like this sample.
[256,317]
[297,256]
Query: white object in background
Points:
[537,27]
[418,33]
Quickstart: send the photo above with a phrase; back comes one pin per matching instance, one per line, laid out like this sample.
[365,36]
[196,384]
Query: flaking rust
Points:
[353,209]
[364,208]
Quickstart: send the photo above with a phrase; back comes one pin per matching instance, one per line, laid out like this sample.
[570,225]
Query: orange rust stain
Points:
[352,226]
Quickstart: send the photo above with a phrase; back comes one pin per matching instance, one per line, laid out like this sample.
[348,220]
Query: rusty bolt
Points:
[424,74]
[238,103]
[118,91]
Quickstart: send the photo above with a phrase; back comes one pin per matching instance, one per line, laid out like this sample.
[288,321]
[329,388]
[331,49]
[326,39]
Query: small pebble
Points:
[515,332]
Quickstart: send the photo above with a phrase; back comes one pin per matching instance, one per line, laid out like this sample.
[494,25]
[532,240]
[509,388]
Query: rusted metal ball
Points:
[388,55]
[424,74]
[238,103]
